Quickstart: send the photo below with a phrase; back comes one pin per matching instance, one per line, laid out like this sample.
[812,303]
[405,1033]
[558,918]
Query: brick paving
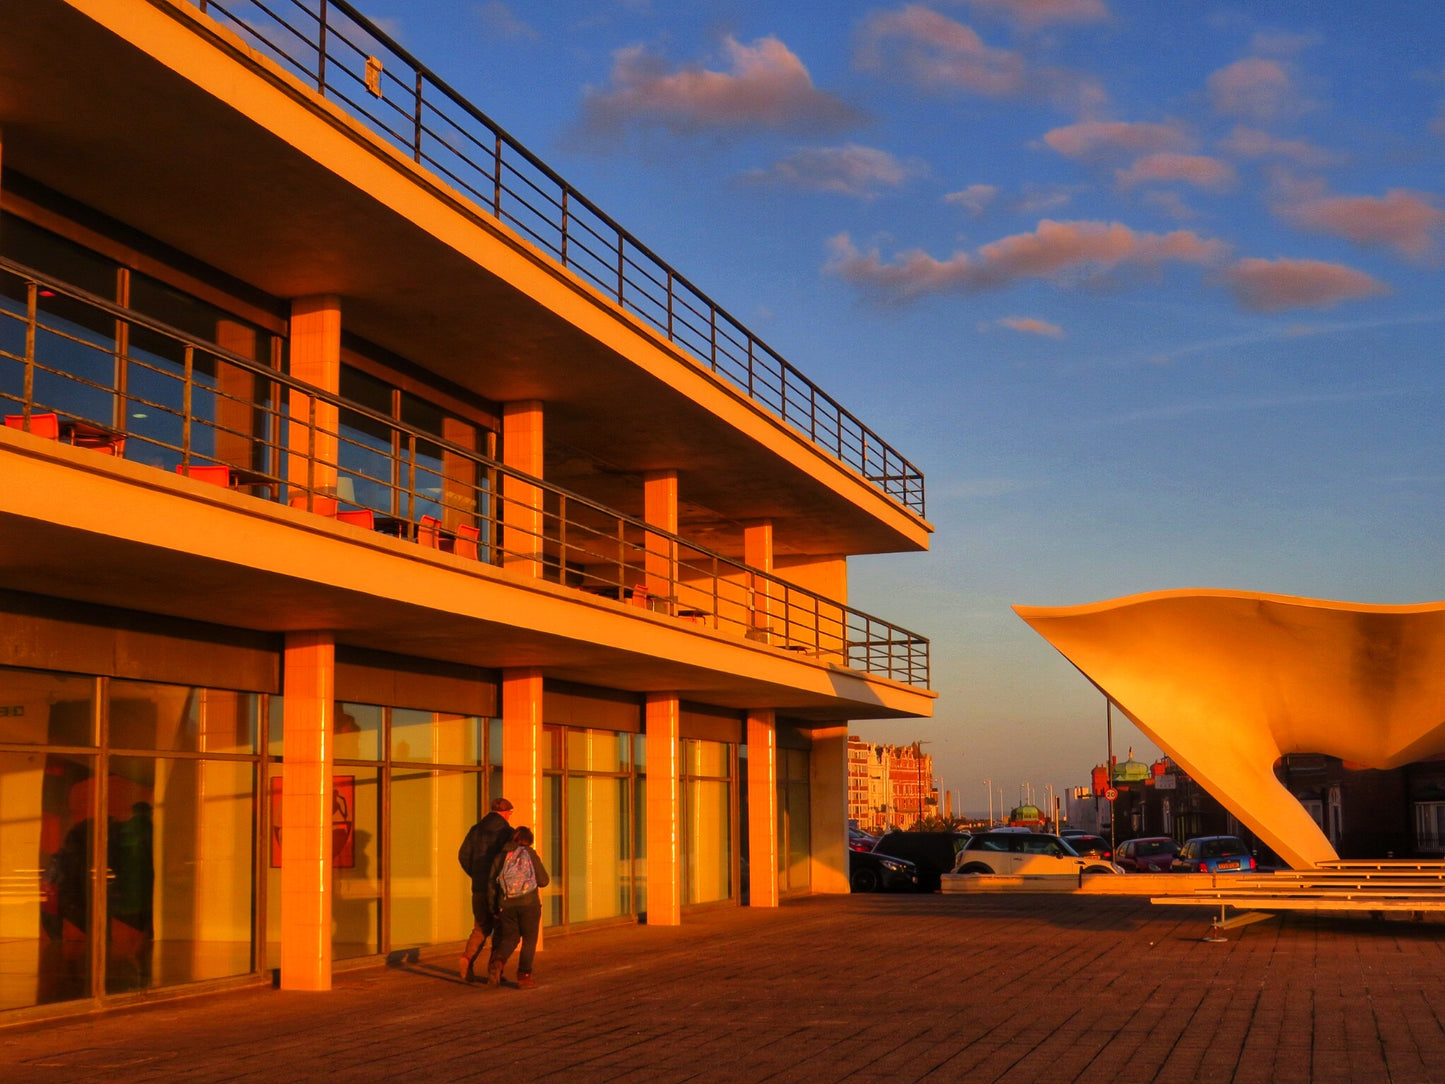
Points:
[858,988]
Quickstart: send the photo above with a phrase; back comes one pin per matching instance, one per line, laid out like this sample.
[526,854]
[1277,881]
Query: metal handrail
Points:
[165,400]
[348,59]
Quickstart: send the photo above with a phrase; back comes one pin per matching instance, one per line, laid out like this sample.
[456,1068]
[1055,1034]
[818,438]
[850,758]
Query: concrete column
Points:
[522,502]
[762,826]
[309,688]
[315,358]
[828,795]
[662,719]
[659,508]
[758,553]
[522,746]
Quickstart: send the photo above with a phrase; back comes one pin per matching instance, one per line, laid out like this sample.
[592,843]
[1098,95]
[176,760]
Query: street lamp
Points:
[989,784]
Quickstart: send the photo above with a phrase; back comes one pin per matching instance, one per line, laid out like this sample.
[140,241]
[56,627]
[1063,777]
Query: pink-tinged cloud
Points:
[764,86]
[1408,222]
[937,53]
[1211,174]
[1098,139]
[850,170]
[1255,89]
[1061,252]
[1036,13]
[1253,143]
[1279,285]
[974,198]
[1029,325]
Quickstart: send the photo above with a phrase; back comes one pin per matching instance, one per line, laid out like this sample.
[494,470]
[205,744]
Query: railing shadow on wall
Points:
[330,46]
[77,368]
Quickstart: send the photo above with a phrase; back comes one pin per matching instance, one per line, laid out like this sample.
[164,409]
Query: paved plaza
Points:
[859,988]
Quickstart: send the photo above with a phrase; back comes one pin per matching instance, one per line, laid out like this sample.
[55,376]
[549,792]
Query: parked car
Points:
[1017,852]
[870,872]
[1213,854]
[1092,846]
[1147,854]
[932,852]
[859,840]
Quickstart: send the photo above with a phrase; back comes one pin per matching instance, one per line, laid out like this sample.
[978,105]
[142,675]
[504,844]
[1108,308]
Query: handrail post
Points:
[416,120]
[32,315]
[321,19]
[188,371]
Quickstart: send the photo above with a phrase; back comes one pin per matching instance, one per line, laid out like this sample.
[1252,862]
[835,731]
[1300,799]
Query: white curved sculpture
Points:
[1227,681]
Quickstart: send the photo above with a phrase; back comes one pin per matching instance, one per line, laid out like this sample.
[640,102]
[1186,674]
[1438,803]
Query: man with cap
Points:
[484,842]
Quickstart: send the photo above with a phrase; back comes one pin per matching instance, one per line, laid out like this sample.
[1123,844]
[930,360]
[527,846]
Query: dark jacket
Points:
[483,843]
[495,883]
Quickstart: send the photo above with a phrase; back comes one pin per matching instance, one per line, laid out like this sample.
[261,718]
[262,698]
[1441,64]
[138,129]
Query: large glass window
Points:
[588,825]
[707,821]
[395,878]
[794,821]
[150,848]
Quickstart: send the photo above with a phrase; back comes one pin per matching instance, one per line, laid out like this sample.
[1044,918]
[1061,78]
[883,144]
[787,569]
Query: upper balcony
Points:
[89,373]
[296,148]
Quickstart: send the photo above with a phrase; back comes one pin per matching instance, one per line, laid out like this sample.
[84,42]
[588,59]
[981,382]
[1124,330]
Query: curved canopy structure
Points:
[1226,682]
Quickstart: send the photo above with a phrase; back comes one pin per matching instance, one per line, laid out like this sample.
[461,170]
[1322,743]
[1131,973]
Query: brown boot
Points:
[464,967]
[494,972]
[526,982]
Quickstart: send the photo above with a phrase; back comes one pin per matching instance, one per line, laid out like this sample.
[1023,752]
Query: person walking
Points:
[517,874]
[484,842]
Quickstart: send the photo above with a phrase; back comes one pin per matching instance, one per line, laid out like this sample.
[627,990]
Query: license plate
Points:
[1232,864]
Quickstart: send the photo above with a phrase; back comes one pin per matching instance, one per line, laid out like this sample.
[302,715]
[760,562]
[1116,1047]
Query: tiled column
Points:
[522,763]
[315,347]
[310,691]
[762,826]
[664,804]
[758,553]
[828,792]
[659,508]
[522,746]
[521,502]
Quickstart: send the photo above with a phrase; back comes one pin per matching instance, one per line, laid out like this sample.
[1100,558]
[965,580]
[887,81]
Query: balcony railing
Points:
[83,369]
[329,45]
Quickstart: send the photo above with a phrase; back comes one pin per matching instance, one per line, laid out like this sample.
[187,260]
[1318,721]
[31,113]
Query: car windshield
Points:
[1151,848]
[1222,848]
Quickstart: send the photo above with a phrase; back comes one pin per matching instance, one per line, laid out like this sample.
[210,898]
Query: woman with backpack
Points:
[517,874]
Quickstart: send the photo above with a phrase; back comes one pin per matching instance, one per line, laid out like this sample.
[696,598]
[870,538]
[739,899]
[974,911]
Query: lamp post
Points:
[989,784]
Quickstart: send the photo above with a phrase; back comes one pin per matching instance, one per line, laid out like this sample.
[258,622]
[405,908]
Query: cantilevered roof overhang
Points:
[148,113]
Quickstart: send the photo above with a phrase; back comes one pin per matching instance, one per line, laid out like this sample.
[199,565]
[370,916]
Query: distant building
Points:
[889,786]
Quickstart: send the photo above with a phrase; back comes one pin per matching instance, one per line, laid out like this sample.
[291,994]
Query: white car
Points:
[1020,852]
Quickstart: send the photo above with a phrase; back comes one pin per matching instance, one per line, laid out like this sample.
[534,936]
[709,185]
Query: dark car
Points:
[1147,854]
[932,852]
[1214,854]
[1092,846]
[870,872]
[859,840]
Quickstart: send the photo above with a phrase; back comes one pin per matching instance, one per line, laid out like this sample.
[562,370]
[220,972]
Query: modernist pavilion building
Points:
[357,470]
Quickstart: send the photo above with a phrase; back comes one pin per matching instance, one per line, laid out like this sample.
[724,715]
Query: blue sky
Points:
[1151,292]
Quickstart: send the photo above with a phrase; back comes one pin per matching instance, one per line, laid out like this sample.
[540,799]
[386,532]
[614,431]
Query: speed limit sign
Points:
[1111,794]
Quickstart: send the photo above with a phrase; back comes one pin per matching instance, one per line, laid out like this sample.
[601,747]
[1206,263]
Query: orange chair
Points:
[465,543]
[41,425]
[428,532]
[640,596]
[360,517]
[206,472]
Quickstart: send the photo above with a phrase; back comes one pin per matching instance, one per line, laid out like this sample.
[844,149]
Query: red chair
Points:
[206,472]
[41,425]
[428,532]
[640,596]
[465,543]
[360,517]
